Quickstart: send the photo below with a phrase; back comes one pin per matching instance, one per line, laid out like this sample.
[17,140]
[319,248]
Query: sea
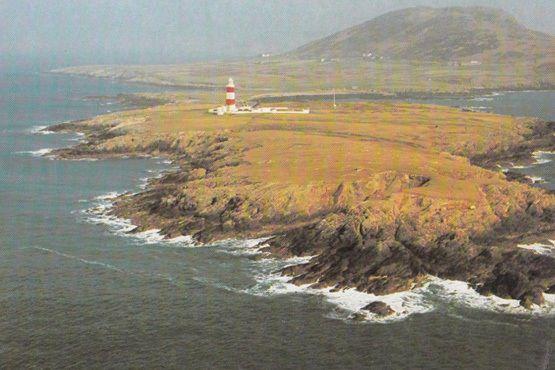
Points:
[76,290]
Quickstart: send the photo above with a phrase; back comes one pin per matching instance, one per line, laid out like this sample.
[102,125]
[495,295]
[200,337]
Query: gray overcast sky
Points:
[170,31]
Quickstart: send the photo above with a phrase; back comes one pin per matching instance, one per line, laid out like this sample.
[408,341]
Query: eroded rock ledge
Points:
[382,194]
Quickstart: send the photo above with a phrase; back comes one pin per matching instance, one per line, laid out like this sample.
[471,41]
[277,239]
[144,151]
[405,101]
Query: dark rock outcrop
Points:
[381,231]
[520,177]
[539,137]
[379,308]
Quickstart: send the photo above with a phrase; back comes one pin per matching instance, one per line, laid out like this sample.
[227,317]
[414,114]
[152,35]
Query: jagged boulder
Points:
[379,308]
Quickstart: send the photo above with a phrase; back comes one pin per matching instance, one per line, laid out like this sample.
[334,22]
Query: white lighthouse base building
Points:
[231,108]
[247,109]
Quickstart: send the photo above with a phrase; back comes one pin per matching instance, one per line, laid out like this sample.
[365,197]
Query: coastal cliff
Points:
[382,194]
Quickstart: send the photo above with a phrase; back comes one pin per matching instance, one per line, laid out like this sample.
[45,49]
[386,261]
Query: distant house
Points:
[471,63]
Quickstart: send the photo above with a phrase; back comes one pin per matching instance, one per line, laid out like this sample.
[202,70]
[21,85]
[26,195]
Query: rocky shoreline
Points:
[377,95]
[539,139]
[131,101]
[385,243]
[307,96]
[423,84]
[139,81]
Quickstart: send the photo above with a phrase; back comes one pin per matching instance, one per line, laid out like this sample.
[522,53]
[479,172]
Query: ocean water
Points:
[517,103]
[76,290]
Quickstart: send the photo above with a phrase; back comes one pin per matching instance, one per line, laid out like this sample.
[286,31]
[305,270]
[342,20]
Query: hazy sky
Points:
[169,31]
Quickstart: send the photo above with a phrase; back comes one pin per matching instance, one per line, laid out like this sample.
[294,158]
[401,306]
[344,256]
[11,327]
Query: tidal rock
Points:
[358,316]
[376,227]
[534,297]
[520,177]
[379,308]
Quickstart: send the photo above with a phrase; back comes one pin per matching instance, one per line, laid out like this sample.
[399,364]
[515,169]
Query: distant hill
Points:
[437,34]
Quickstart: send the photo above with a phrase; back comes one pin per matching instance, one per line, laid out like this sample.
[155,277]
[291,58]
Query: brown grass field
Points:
[370,175]
[350,143]
[254,77]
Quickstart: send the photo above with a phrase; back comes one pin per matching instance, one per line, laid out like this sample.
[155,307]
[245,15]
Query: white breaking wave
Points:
[158,174]
[502,169]
[540,248]
[348,301]
[540,157]
[488,97]
[433,294]
[100,214]
[40,130]
[108,196]
[536,179]
[37,153]
[248,247]
[519,167]
[78,139]
[143,182]
[153,236]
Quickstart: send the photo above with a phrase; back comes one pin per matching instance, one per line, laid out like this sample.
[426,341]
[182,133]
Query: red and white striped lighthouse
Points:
[230,96]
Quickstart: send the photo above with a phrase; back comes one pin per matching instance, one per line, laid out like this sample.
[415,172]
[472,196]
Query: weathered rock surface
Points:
[379,308]
[381,208]
[541,136]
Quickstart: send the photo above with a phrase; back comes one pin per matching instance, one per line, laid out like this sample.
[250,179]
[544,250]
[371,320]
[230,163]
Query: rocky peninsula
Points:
[382,194]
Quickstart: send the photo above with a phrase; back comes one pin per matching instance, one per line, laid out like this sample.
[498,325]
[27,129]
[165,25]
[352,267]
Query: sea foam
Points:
[347,302]
[435,293]
[38,153]
[100,214]
[536,179]
[40,130]
[245,247]
[541,157]
[540,248]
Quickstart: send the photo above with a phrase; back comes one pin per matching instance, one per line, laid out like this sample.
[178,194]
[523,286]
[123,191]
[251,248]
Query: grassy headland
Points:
[383,193]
